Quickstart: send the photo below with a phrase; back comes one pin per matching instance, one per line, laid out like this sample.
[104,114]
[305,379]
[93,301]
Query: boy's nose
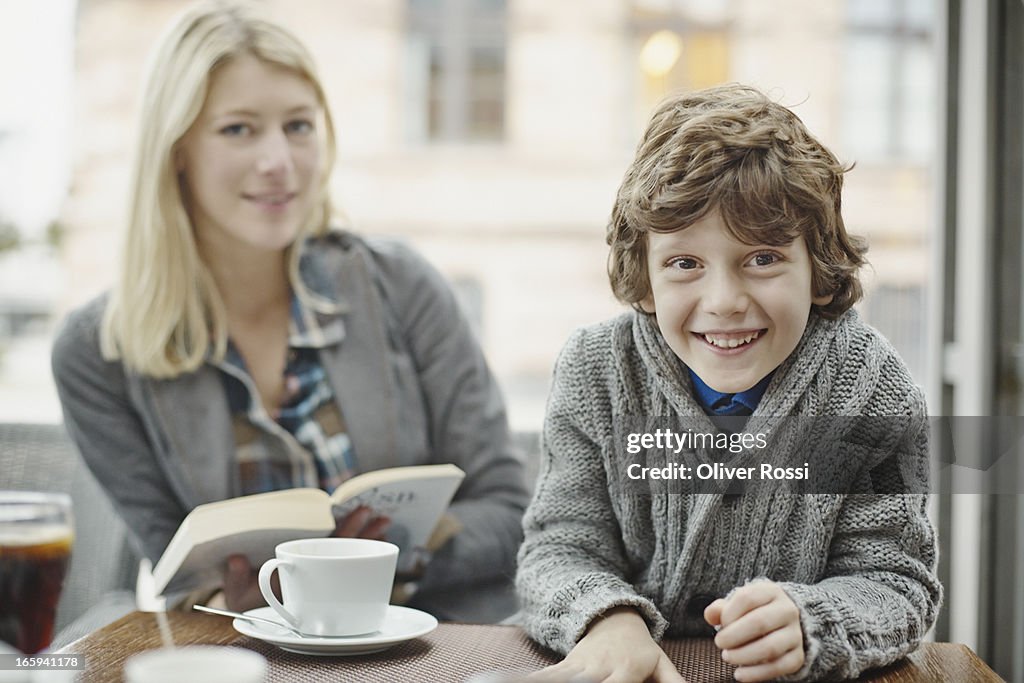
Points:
[725,295]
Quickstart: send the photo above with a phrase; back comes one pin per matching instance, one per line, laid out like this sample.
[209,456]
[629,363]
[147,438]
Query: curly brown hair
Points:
[732,148]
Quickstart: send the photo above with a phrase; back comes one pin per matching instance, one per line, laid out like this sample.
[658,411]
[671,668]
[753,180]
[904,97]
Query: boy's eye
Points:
[299,126]
[682,263]
[236,130]
[765,258]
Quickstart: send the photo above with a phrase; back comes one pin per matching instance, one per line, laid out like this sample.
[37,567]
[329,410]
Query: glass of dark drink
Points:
[35,548]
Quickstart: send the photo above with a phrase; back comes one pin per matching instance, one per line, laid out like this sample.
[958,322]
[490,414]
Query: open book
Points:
[414,498]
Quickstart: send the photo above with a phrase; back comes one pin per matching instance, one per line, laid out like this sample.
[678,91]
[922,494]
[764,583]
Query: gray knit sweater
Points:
[859,567]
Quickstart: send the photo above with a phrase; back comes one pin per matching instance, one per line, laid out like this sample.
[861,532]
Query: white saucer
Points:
[400,624]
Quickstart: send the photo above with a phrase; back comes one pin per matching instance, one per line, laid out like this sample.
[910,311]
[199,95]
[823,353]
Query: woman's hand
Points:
[617,648]
[760,632]
[241,589]
[361,523]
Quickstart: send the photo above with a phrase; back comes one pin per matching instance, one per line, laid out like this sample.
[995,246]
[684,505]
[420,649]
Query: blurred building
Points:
[493,134]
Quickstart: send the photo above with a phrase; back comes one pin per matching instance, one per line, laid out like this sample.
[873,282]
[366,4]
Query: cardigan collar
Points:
[789,382]
[193,413]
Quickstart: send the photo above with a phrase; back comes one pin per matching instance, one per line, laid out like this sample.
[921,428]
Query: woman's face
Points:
[251,160]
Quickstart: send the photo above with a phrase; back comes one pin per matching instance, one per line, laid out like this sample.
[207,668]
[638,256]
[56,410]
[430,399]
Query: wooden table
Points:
[455,652]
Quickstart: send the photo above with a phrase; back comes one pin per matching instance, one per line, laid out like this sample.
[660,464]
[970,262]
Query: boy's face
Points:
[731,311]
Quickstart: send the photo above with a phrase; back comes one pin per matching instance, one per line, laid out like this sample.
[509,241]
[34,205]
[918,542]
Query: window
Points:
[898,312]
[456,70]
[680,45]
[888,80]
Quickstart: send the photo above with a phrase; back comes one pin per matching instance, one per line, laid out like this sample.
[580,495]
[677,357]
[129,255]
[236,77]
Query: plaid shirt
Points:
[304,441]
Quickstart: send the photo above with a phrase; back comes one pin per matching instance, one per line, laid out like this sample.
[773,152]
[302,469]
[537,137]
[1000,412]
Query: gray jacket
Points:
[411,383]
[859,567]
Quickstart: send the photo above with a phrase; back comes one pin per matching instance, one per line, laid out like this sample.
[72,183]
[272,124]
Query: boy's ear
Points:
[822,300]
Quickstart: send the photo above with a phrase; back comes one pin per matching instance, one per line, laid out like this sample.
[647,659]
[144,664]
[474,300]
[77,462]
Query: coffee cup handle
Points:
[268,593]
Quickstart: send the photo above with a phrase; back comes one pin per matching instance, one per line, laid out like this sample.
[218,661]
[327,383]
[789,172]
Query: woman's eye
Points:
[299,126]
[236,130]
[682,263]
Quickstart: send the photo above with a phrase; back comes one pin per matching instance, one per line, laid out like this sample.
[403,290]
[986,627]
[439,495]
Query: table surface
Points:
[454,652]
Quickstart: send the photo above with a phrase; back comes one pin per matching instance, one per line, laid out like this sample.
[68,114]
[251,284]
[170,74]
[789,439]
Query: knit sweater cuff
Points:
[814,617]
[588,598]
[829,650]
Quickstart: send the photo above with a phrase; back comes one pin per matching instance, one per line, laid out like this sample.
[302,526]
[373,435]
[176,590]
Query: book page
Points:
[414,508]
[249,525]
[205,563]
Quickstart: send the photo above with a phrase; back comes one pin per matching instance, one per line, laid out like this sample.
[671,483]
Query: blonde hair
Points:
[731,148]
[165,312]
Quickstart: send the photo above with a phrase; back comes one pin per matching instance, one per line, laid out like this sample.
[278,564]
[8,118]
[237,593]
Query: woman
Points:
[249,346]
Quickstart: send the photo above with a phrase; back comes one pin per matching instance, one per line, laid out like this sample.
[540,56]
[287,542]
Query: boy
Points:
[727,240]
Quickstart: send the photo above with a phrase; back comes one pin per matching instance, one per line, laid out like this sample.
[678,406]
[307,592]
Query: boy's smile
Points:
[730,342]
[732,312]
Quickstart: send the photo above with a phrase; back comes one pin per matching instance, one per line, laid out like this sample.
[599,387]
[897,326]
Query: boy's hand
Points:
[760,632]
[616,648]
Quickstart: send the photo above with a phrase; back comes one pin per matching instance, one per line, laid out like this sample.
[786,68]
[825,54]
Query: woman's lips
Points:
[270,201]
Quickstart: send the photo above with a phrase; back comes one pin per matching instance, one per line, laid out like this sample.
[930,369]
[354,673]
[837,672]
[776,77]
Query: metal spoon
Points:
[249,618]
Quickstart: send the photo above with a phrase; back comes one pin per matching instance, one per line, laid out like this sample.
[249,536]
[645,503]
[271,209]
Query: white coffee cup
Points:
[197,664]
[332,586]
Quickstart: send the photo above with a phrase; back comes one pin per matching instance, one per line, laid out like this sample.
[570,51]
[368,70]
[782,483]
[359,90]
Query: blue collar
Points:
[712,401]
